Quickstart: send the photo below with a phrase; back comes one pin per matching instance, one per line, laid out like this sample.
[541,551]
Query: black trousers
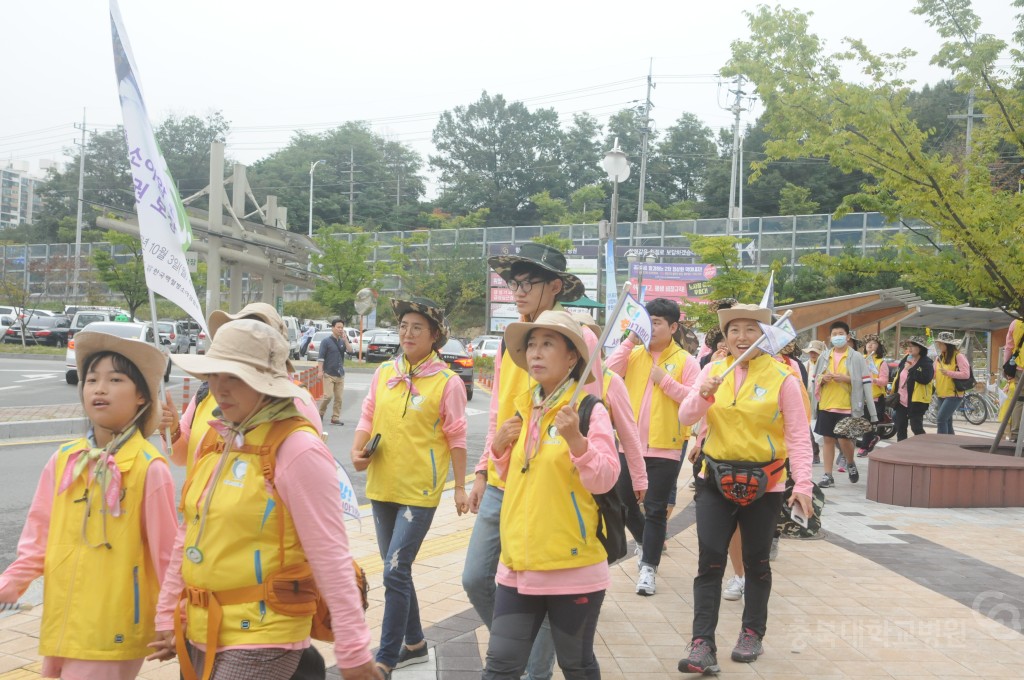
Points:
[913,414]
[717,518]
[650,525]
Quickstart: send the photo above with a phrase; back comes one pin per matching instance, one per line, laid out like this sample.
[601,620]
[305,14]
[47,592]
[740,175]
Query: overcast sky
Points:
[273,67]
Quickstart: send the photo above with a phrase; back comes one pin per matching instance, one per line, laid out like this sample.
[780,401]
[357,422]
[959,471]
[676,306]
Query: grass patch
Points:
[11,348]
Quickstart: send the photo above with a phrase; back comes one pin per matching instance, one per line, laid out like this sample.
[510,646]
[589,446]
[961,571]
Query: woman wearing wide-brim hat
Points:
[268,462]
[552,563]
[913,382]
[755,416]
[950,365]
[416,411]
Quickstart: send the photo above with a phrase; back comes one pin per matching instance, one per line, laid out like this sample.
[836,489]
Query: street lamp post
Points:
[616,165]
[312,167]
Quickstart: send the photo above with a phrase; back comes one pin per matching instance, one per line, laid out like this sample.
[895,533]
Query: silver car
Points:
[176,335]
[313,349]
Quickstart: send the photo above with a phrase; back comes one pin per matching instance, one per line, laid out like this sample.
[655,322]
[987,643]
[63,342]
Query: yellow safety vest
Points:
[748,427]
[664,430]
[201,418]
[922,394]
[411,463]
[835,396]
[100,602]
[876,391]
[238,552]
[514,383]
[943,383]
[548,518]
[1018,333]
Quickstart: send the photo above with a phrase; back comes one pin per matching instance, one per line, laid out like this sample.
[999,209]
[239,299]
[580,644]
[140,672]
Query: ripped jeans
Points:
[400,533]
[717,518]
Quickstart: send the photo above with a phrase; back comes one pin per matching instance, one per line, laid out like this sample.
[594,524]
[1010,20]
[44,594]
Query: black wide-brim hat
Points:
[427,308]
[544,257]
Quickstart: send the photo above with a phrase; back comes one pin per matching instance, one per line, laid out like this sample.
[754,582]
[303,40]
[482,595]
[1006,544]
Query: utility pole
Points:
[351,184]
[81,203]
[971,115]
[736,109]
[398,186]
[643,144]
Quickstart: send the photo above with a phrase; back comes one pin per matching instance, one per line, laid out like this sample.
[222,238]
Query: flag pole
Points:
[156,341]
[600,343]
[750,350]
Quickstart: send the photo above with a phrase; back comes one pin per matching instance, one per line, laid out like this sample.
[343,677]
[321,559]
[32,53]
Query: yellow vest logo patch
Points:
[238,469]
[416,401]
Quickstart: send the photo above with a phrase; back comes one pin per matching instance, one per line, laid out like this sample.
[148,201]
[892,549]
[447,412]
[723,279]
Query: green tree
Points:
[582,153]
[555,241]
[794,200]
[679,170]
[345,269]
[497,154]
[453,276]
[812,112]
[306,309]
[730,281]
[123,270]
[549,210]
[16,292]
[438,219]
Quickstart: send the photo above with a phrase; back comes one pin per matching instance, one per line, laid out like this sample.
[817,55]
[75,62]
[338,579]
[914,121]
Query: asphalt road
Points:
[22,461]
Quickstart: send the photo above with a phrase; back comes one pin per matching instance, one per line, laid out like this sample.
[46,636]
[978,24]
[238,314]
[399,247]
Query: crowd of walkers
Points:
[252,561]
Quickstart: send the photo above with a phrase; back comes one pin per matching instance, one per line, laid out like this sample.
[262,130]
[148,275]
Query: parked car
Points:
[367,335]
[51,331]
[292,324]
[382,346]
[176,335]
[353,339]
[202,342]
[84,317]
[143,332]
[193,329]
[459,360]
[488,347]
[313,350]
[6,321]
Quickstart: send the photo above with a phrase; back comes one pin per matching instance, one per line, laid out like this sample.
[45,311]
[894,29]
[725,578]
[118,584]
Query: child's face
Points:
[237,401]
[110,398]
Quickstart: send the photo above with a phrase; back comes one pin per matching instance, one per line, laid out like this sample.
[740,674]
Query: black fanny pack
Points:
[743,482]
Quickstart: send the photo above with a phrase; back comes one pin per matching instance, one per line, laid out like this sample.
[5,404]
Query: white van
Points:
[292,324]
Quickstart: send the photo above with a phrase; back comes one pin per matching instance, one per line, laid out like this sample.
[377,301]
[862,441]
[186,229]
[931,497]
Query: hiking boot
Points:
[408,657]
[851,469]
[734,588]
[748,647]
[826,481]
[775,550]
[645,581]
[701,659]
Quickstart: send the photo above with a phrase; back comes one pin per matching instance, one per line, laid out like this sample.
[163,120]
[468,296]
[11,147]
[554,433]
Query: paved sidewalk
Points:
[888,592]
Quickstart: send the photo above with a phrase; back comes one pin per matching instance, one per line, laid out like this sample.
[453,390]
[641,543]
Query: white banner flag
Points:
[777,336]
[163,225]
[632,316]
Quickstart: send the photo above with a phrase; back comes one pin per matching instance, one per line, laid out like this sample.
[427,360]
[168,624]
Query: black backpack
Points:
[611,519]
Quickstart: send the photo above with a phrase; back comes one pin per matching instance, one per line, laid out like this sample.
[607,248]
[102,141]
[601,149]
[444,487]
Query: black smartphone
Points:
[371,446]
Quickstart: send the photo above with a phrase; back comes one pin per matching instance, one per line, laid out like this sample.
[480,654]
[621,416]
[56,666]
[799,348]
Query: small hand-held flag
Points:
[768,299]
[776,336]
[632,316]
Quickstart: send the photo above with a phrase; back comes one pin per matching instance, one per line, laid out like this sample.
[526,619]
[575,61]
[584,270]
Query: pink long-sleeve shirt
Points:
[598,468]
[795,426]
[676,391]
[1009,347]
[593,388]
[625,427]
[305,478]
[159,524]
[452,412]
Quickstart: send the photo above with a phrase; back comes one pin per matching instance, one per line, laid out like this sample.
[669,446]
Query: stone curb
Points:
[34,357]
[32,428]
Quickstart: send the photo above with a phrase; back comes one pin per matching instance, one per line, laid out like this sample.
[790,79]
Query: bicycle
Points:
[973,409]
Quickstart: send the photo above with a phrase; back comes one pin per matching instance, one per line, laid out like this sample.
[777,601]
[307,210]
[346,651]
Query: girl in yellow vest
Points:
[1013,348]
[101,525]
[262,528]
[552,562]
[754,416]
[188,431]
[874,355]
[657,381]
[913,383]
[950,365]
[417,406]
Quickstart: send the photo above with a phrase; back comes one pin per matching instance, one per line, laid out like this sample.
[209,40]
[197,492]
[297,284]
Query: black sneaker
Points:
[826,481]
[851,469]
[408,657]
[748,647]
[385,673]
[873,440]
[700,660]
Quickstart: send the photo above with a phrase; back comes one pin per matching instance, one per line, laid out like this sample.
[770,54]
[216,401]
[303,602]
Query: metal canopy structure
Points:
[265,249]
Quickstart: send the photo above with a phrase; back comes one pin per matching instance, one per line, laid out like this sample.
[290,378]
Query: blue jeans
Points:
[944,414]
[478,574]
[400,533]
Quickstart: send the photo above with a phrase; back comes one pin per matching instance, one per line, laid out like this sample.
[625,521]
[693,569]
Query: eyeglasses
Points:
[526,286]
[411,329]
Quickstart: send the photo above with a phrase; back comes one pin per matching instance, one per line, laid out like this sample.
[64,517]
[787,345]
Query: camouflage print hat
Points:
[722,303]
[542,257]
[427,308]
[917,340]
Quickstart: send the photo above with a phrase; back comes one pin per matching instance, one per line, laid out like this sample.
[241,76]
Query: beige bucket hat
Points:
[250,350]
[742,311]
[150,361]
[814,346]
[263,311]
[558,321]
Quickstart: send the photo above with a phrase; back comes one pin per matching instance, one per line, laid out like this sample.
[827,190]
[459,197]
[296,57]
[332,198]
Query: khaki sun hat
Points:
[742,311]
[150,361]
[261,310]
[250,350]
[814,346]
[558,321]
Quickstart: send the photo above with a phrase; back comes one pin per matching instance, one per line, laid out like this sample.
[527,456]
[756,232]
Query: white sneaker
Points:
[645,582]
[733,589]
